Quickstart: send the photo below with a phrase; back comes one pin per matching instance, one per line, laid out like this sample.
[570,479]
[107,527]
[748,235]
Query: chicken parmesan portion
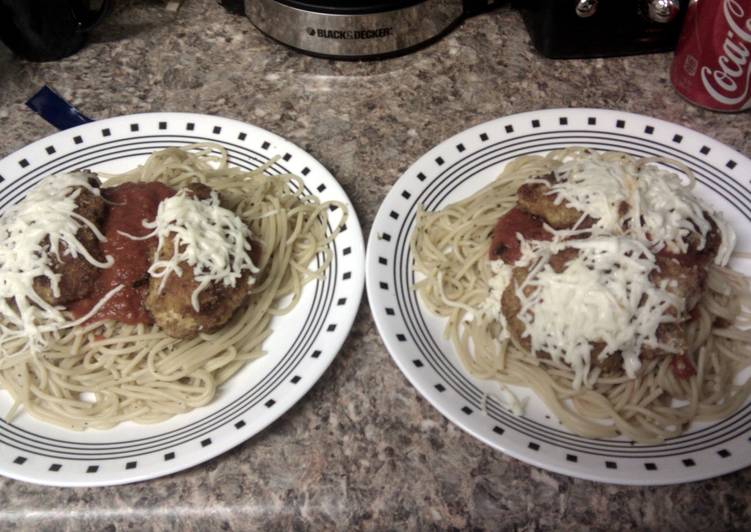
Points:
[203,267]
[50,254]
[75,262]
[594,303]
[593,194]
[601,262]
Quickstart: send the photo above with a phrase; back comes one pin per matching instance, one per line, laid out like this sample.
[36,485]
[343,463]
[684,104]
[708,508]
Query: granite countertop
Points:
[363,449]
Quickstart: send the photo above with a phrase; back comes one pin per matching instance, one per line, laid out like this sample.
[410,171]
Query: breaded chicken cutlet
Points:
[680,274]
[77,275]
[673,334]
[684,271]
[172,308]
[535,198]
[170,304]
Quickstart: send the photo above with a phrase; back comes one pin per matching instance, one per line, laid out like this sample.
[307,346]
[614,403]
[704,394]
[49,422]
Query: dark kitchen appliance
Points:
[592,28]
[47,30]
[358,29]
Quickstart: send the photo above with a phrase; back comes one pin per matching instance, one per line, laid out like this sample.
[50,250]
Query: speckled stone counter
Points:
[363,449]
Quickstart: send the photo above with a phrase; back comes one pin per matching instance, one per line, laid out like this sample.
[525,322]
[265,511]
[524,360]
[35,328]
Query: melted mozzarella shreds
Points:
[212,240]
[30,233]
[668,211]
[661,208]
[501,275]
[595,187]
[602,295]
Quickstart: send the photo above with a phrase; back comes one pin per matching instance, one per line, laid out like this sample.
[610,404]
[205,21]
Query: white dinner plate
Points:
[301,347]
[460,166]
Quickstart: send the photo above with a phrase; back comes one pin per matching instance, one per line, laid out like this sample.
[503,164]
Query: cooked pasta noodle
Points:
[450,250]
[100,374]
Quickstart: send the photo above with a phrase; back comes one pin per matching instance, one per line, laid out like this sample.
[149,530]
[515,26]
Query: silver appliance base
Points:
[354,36]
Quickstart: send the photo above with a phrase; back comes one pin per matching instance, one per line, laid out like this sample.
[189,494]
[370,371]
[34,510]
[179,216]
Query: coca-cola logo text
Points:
[729,83]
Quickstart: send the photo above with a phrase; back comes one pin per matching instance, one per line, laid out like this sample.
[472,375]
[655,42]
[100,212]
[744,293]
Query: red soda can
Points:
[712,63]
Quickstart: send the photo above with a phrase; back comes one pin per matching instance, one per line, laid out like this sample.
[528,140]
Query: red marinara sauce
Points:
[129,205]
[505,245]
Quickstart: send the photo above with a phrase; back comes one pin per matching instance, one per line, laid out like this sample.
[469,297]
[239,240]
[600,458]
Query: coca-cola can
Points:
[712,63]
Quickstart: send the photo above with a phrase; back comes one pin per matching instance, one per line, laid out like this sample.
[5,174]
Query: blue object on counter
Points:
[54,109]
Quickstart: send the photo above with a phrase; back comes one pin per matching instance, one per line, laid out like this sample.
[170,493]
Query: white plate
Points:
[463,164]
[300,349]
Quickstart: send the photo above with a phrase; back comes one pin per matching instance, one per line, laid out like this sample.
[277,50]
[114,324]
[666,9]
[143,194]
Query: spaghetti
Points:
[96,375]
[657,401]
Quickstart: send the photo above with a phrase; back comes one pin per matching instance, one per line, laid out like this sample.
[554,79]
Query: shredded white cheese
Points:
[595,187]
[30,233]
[603,295]
[665,212]
[662,210]
[501,275]
[214,241]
